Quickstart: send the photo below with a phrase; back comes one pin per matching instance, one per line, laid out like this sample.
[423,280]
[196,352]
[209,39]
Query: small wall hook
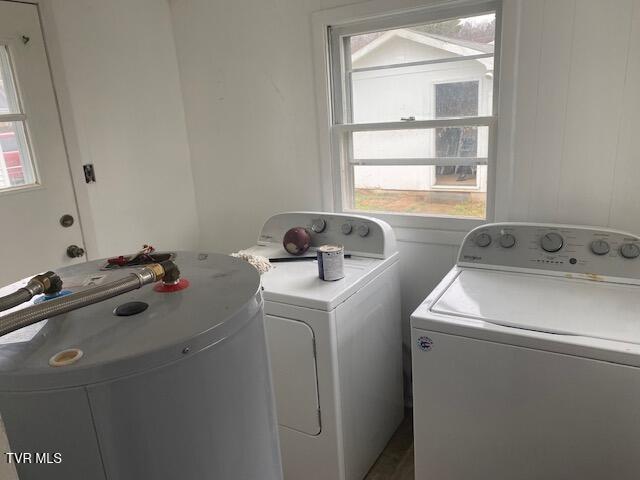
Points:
[25,39]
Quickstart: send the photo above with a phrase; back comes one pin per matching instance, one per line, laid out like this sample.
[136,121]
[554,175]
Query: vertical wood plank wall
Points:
[577,142]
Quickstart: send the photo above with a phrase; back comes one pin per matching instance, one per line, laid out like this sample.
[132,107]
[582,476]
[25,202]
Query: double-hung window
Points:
[414,112]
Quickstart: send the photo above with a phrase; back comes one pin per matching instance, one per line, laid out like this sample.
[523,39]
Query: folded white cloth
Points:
[261,264]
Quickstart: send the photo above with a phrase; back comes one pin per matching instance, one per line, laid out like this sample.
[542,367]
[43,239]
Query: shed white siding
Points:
[410,92]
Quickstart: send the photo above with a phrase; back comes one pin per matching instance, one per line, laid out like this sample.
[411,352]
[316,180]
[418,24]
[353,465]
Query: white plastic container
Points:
[331,262]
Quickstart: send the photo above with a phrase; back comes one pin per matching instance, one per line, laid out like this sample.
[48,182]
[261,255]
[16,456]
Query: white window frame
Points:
[376,16]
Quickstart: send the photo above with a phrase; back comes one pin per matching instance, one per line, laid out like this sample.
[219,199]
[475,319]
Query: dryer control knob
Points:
[318,225]
[551,242]
[363,230]
[346,228]
[630,250]
[600,247]
[482,240]
[507,240]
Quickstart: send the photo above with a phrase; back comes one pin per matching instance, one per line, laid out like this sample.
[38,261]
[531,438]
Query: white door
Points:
[35,183]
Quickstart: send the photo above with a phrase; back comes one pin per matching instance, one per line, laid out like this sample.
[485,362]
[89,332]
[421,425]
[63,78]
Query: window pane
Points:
[418,190]
[457,142]
[8,96]
[15,163]
[432,71]
[424,92]
[446,39]
[421,143]
[456,176]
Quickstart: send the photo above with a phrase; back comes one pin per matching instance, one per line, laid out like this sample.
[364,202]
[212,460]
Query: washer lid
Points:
[545,304]
[224,293]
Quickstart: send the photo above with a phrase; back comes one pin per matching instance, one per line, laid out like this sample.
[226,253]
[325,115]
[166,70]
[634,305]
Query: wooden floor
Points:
[396,461]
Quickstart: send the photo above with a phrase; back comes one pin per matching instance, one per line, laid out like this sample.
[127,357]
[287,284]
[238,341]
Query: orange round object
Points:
[168,288]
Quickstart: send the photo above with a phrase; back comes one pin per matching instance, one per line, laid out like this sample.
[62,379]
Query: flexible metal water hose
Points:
[14,299]
[46,283]
[36,313]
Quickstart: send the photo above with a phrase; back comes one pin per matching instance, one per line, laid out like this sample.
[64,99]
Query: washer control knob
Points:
[346,228]
[482,240]
[318,225]
[600,247]
[552,242]
[507,240]
[363,230]
[630,250]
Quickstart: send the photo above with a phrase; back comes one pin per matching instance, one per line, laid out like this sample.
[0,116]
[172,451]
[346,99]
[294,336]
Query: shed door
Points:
[295,379]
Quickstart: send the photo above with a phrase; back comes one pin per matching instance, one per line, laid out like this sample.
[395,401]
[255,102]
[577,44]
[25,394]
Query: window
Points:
[458,99]
[413,112]
[16,167]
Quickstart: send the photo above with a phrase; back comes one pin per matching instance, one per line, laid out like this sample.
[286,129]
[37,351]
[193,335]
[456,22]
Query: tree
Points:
[481,32]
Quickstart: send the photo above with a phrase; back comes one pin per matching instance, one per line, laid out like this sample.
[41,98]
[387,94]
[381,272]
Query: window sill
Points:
[20,189]
[431,229]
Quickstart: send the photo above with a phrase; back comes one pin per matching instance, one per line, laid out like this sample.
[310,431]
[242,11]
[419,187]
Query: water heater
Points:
[148,385]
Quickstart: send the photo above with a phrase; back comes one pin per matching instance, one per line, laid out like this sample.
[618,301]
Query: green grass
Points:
[459,204]
[470,209]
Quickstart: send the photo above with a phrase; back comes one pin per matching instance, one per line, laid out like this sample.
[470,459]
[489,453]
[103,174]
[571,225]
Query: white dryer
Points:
[526,358]
[335,347]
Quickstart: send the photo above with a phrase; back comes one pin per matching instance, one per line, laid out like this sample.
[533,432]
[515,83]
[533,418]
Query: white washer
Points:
[335,347]
[526,357]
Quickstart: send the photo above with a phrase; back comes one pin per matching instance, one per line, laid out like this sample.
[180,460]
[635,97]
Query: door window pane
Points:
[8,97]
[15,163]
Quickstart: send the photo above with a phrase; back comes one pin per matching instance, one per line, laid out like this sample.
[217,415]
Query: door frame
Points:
[67,125]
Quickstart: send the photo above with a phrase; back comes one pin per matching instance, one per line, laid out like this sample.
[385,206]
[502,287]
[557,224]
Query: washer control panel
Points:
[360,235]
[587,252]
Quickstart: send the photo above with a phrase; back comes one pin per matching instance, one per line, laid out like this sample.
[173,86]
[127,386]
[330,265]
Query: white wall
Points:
[576,151]
[567,146]
[248,83]
[116,71]
[247,77]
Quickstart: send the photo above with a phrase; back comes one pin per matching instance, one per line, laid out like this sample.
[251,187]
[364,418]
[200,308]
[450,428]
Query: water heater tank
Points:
[179,390]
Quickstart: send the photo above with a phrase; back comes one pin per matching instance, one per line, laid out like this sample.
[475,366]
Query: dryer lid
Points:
[297,282]
[545,304]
